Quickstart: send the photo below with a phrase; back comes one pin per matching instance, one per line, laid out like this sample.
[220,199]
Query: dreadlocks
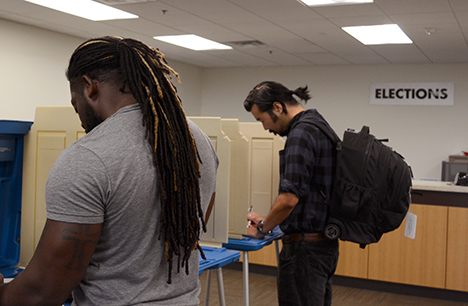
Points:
[144,70]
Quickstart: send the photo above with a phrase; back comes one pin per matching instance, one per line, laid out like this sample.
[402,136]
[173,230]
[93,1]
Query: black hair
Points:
[266,93]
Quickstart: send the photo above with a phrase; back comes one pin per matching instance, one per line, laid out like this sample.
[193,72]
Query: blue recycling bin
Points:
[11,181]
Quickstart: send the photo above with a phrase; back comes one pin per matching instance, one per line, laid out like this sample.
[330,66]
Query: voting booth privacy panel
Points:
[11,170]
[252,177]
[53,130]
[248,172]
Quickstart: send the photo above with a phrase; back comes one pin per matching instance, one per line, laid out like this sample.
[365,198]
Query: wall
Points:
[33,62]
[190,87]
[425,135]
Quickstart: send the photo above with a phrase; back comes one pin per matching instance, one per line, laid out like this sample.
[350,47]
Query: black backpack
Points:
[371,192]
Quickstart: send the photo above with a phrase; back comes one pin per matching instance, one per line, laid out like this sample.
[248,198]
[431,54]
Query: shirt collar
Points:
[293,121]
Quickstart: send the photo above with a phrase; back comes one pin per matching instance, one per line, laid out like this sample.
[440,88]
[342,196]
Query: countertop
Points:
[438,186]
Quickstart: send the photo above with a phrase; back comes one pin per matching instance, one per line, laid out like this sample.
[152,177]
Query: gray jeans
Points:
[305,272]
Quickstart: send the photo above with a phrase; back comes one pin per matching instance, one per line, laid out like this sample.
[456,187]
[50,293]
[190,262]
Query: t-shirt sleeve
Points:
[77,187]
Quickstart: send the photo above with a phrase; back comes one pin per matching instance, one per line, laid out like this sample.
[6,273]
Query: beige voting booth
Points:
[264,165]
[53,130]
[239,184]
[254,168]
[217,227]
[264,179]
[248,172]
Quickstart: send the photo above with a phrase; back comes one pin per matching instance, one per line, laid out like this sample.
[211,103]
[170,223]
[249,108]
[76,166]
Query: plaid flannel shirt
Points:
[308,158]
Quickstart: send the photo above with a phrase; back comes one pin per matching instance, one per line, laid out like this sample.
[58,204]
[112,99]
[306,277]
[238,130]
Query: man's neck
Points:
[293,111]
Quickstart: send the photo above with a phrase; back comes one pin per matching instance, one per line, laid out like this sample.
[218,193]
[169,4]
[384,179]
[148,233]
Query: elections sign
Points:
[411,94]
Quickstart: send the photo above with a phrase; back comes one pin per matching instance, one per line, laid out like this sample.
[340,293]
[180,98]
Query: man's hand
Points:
[254,219]
[252,229]
[1,278]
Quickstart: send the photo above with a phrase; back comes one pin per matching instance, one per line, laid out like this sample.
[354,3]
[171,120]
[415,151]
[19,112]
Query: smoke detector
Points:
[430,31]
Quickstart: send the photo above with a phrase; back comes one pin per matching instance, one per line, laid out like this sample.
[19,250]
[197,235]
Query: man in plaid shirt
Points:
[308,260]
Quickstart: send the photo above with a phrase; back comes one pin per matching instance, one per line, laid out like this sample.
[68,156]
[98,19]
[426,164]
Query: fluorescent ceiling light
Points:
[85,9]
[332,2]
[379,34]
[193,42]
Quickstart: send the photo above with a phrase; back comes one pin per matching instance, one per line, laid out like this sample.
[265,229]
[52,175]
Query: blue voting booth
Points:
[216,258]
[11,181]
[246,245]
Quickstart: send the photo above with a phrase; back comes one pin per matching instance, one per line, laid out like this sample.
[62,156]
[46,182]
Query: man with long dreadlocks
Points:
[126,203]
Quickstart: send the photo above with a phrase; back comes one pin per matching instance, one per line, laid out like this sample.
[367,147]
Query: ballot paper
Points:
[410,226]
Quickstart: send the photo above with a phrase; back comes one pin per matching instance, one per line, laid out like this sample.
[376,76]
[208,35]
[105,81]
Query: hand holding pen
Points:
[250,211]
[253,220]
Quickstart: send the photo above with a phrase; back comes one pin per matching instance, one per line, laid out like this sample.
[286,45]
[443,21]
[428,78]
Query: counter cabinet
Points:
[436,258]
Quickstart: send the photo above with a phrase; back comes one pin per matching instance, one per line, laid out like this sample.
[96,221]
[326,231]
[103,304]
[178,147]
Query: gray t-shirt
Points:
[108,177]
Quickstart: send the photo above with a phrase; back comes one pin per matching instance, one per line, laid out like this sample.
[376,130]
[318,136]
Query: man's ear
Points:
[278,107]
[90,88]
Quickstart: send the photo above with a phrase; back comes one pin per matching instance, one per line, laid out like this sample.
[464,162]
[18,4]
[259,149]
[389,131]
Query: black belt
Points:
[303,237]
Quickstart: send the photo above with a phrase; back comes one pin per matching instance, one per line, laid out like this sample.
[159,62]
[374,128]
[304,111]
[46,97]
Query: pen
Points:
[250,210]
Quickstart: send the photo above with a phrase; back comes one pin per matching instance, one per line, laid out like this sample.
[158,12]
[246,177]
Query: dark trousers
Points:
[305,272]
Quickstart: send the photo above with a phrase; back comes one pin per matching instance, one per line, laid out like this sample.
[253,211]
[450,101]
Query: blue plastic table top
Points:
[252,244]
[14,126]
[216,258]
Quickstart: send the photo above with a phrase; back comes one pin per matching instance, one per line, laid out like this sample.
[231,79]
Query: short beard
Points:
[272,115]
[92,119]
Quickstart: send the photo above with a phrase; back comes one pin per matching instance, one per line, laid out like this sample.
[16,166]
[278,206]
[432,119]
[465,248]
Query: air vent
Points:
[245,44]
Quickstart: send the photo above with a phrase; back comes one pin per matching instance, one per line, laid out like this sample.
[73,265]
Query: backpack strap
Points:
[330,133]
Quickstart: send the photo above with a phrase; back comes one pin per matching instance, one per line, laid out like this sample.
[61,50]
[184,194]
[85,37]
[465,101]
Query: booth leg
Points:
[277,247]
[245,264]
[208,287]
[222,298]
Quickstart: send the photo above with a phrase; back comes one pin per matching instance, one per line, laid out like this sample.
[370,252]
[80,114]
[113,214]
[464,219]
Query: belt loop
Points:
[302,236]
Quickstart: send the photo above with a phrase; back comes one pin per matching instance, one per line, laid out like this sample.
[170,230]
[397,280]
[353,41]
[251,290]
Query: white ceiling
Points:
[291,33]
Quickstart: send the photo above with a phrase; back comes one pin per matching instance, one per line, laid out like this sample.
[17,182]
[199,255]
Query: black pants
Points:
[305,273]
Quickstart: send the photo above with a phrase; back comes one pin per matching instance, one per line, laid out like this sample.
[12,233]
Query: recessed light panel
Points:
[332,2]
[193,42]
[85,9]
[379,34]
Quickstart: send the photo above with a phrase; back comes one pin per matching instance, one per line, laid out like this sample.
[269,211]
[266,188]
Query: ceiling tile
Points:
[459,5]
[413,6]
[143,26]
[427,19]
[361,20]
[325,58]
[367,9]
[401,54]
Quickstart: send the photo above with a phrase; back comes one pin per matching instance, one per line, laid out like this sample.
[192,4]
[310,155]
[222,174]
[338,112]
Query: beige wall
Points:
[425,135]
[33,63]
[32,69]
